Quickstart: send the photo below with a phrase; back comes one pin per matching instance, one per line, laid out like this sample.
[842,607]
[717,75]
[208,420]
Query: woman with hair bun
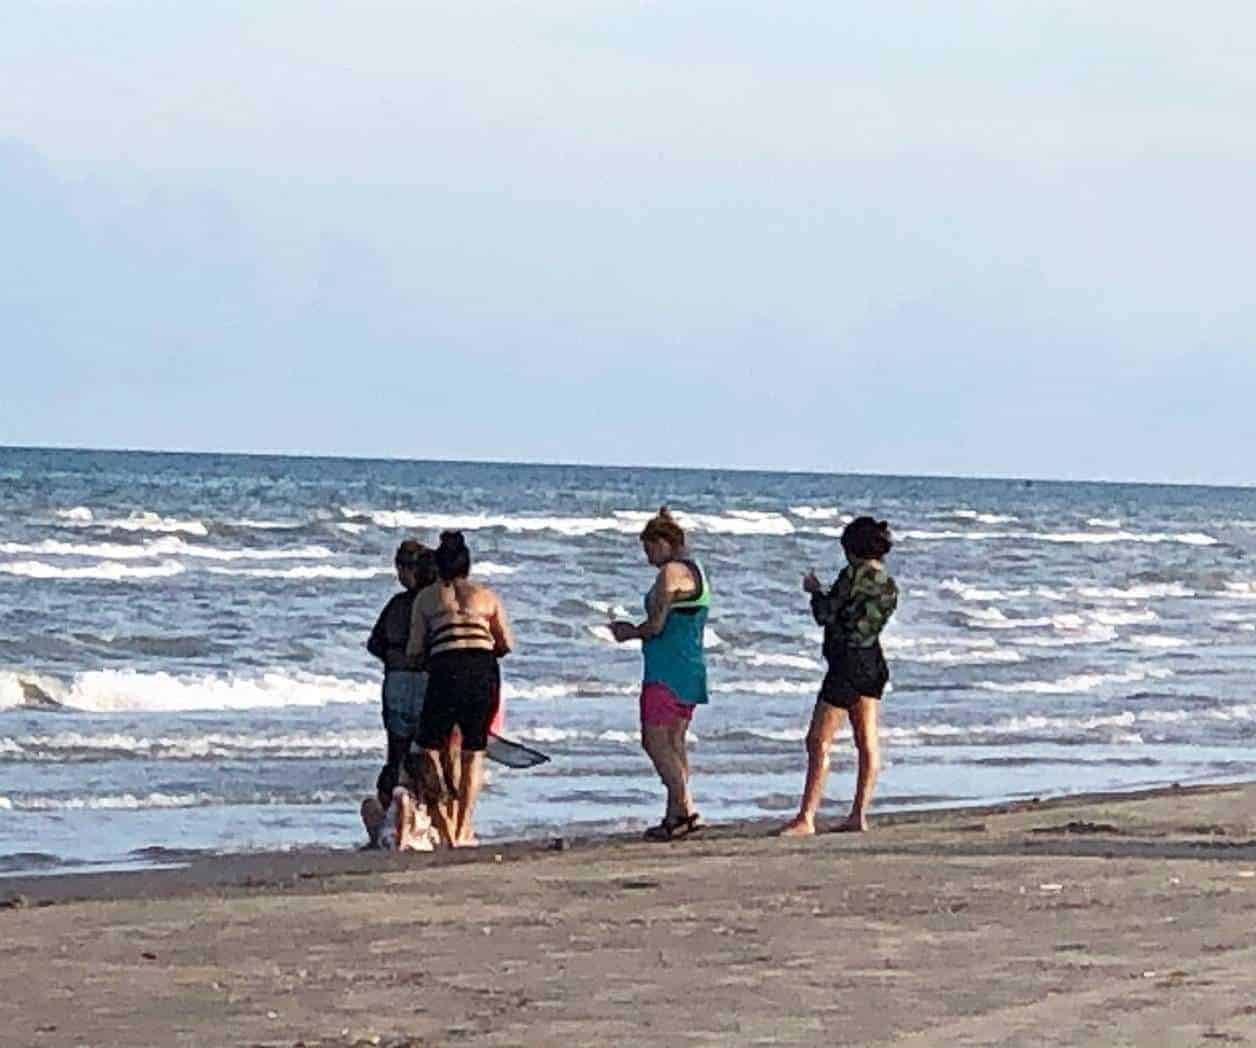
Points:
[460,627]
[853,613]
[674,680]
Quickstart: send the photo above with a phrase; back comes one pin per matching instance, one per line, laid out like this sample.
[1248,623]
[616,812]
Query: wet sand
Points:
[1090,920]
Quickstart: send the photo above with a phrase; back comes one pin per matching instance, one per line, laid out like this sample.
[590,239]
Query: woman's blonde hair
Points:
[663,526]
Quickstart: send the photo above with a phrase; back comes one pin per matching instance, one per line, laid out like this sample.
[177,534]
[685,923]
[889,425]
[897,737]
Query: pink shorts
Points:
[659,705]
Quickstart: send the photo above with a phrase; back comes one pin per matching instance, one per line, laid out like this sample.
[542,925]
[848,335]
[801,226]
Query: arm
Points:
[825,606]
[499,626]
[377,642]
[673,579]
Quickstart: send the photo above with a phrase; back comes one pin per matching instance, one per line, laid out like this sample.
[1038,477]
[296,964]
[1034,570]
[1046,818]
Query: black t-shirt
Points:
[392,630]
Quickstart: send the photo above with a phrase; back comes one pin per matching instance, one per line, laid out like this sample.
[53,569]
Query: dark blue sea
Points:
[182,666]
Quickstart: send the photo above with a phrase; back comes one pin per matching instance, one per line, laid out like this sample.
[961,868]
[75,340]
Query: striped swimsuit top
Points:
[458,629]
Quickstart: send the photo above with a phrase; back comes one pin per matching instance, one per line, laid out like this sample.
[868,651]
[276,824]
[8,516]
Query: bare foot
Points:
[470,841]
[797,827]
[853,824]
[441,825]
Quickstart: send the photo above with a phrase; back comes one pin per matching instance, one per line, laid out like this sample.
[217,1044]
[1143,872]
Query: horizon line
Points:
[551,464]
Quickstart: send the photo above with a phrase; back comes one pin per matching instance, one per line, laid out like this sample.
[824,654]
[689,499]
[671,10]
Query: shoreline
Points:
[228,871]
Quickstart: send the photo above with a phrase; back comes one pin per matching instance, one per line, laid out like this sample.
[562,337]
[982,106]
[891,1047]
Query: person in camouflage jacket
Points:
[853,613]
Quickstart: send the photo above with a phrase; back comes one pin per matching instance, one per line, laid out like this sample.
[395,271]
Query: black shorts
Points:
[855,673]
[462,690]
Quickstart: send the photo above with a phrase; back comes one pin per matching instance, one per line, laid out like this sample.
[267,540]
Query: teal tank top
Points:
[675,657]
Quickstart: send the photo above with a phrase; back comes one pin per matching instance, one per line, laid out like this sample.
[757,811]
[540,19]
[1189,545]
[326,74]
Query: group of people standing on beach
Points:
[441,639]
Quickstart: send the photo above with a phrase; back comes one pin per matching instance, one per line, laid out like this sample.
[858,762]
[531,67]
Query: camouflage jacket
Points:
[855,611]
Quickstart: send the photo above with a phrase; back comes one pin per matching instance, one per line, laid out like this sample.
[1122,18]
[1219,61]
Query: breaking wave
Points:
[113,691]
[1081,682]
[141,520]
[627,522]
[110,571]
[304,571]
[172,546]
[1190,538]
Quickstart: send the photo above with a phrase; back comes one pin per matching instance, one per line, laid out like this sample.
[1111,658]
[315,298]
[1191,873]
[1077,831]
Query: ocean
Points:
[182,661]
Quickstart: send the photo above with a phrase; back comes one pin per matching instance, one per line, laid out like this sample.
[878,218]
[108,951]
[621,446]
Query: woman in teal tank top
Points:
[674,678]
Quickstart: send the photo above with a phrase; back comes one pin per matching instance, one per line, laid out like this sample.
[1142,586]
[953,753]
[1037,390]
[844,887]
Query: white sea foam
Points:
[1192,538]
[268,525]
[813,513]
[1113,727]
[995,619]
[487,569]
[189,745]
[142,520]
[112,691]
[951,536]
[948,651]
[1243,590]
[964,657]
[779,686]
[1155,641]
[110,571]
[968,592]
[1104,522]
[114,802]
[351,529]
[304,571]
[605,607]
[1134,617]
[5,804]
[1139,591]
[795,662]
[1068,636]
[896,641]
[524,691]
[983,518]
[1071,685]
[169,546]
[628,522]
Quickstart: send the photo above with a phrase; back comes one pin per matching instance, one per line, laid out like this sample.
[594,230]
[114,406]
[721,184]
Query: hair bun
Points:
[883,525]
[452,540]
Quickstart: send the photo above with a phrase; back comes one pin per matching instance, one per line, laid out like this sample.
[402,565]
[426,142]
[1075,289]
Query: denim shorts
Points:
[404,691]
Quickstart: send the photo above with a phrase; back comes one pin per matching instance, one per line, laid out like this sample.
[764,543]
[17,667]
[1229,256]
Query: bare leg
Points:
[863,723]
[405,817]
[826,721]
[451,765]
[434,792]
[657,741]
[679,729]
[373,818]
[472,778]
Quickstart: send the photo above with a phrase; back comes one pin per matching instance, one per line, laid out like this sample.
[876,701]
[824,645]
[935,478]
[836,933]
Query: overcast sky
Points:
[1001,238]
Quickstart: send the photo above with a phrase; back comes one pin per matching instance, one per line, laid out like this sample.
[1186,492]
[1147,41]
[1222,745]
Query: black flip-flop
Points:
[674,829]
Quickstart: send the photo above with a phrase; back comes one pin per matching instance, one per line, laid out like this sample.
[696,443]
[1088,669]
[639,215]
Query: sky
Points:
[1004,238]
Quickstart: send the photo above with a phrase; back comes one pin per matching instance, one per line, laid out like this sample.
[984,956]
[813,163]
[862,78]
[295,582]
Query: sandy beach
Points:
[1090,920]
